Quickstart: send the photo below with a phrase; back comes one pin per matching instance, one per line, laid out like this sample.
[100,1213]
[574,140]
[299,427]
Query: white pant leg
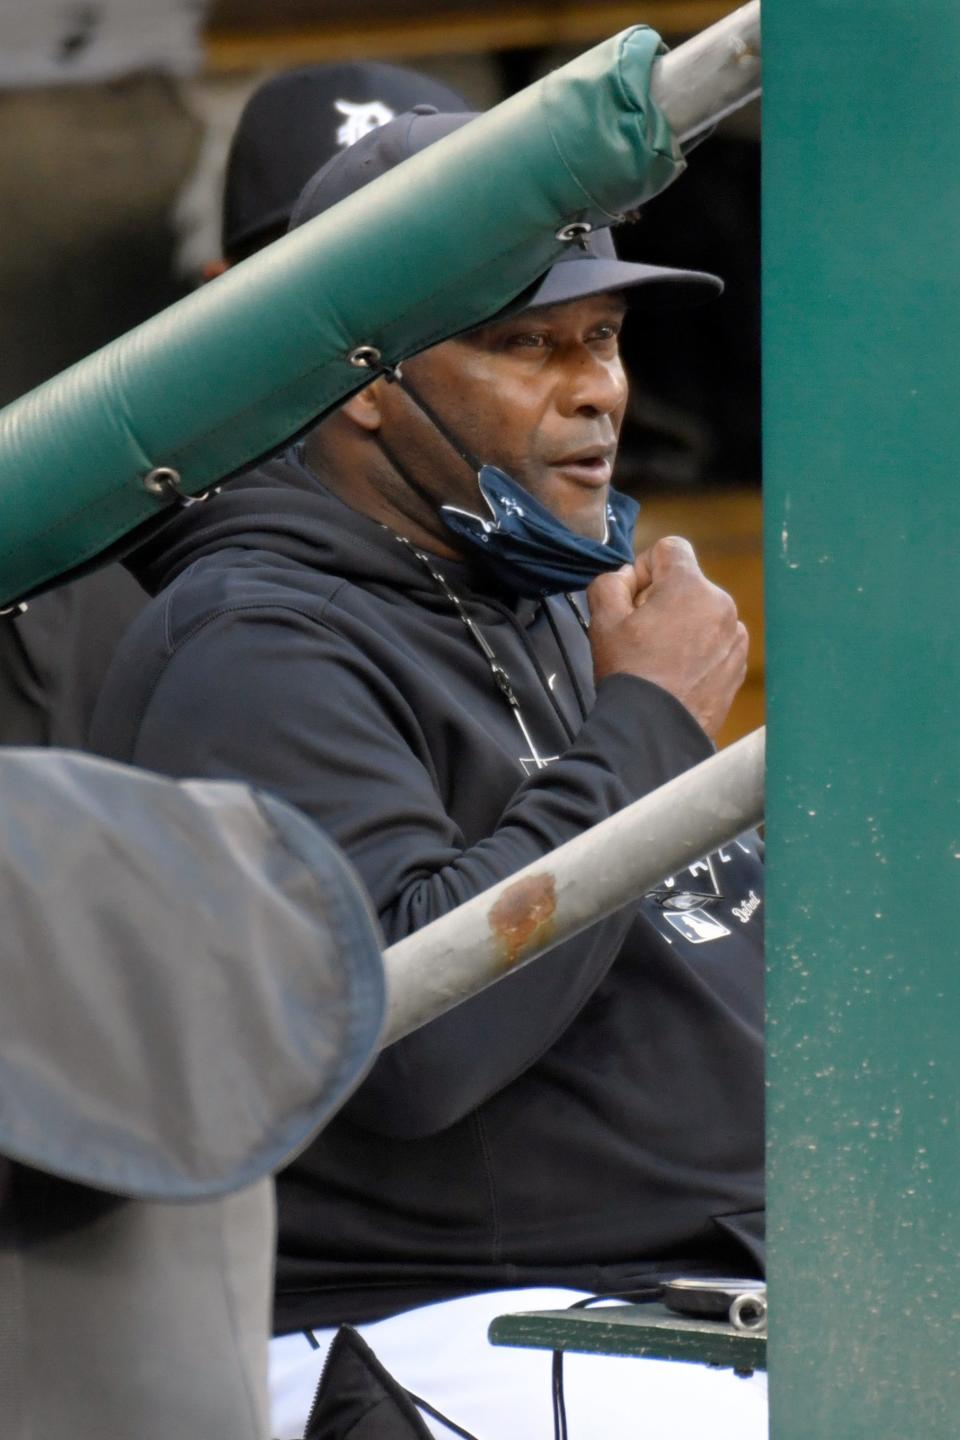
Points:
[441,1353]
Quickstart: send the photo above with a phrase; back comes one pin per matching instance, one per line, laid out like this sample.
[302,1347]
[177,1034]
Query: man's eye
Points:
[607,332]
[528,340]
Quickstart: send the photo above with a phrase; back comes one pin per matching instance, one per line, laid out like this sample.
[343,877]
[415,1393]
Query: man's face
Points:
[542,396]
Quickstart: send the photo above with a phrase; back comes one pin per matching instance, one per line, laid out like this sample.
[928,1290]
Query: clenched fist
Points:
[662,619]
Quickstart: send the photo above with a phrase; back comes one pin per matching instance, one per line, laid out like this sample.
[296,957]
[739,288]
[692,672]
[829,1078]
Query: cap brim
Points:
[651,287]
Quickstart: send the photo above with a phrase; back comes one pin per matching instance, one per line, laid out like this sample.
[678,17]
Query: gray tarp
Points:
[191,984]
[190,972]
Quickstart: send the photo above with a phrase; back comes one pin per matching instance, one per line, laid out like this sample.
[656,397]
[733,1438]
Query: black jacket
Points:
[590,1117]
[54,657]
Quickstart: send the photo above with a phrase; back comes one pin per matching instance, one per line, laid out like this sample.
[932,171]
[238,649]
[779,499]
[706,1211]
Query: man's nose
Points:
[593,385]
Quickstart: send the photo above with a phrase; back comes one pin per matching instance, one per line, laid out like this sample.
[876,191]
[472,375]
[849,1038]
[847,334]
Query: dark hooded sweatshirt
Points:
[591,1119]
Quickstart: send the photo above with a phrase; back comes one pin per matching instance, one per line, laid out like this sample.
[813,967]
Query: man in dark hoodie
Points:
[367,628]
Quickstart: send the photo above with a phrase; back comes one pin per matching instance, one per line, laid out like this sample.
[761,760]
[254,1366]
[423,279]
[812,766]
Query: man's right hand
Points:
[663,620]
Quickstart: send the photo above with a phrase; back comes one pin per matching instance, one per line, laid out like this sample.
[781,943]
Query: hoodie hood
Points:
[283,507]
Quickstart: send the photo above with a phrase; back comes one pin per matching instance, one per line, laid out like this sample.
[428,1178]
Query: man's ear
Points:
[364,407]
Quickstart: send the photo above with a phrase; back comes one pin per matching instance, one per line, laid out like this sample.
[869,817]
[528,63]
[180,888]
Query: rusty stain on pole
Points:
[554,898]
[523,916]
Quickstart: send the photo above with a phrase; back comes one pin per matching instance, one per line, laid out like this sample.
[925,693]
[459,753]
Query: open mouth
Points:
[590,467]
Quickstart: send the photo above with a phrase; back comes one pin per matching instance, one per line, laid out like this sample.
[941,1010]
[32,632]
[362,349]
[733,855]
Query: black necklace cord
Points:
[397,377]
[534,659]
[500,677]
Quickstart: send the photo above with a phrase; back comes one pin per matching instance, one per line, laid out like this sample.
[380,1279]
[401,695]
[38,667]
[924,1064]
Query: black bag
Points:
[357,1399]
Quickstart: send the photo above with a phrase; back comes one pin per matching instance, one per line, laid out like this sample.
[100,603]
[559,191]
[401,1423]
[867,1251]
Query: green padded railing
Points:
[232,372]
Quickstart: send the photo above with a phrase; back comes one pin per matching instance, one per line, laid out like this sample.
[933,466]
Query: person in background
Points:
[292,125]
[54,656]
[96,141]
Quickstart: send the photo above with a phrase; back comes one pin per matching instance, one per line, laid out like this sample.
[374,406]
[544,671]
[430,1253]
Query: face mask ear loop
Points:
[369,359]
[396,376]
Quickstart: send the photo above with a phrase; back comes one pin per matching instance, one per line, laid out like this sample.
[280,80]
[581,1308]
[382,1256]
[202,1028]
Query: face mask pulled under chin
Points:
[528,549]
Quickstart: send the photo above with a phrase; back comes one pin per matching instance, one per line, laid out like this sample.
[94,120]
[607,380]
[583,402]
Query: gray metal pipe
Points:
[584,880]
[710,75]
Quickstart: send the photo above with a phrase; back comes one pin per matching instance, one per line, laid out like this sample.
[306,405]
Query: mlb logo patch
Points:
[697,926]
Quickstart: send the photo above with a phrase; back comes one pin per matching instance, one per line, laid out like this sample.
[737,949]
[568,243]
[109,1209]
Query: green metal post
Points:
[862,411]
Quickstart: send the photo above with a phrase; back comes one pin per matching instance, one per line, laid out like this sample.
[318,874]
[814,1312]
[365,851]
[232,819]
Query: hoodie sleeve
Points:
[240,699]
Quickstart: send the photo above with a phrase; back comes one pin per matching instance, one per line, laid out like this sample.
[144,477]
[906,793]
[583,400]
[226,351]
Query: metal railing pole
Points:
[572,887]
[711,74]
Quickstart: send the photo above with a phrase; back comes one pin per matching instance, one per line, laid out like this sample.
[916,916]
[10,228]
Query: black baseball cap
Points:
[590,266]
[297,121]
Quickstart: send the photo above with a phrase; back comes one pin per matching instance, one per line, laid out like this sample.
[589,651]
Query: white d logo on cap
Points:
[361,119]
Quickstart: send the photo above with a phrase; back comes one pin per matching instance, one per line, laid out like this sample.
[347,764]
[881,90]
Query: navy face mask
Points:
[528,549]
